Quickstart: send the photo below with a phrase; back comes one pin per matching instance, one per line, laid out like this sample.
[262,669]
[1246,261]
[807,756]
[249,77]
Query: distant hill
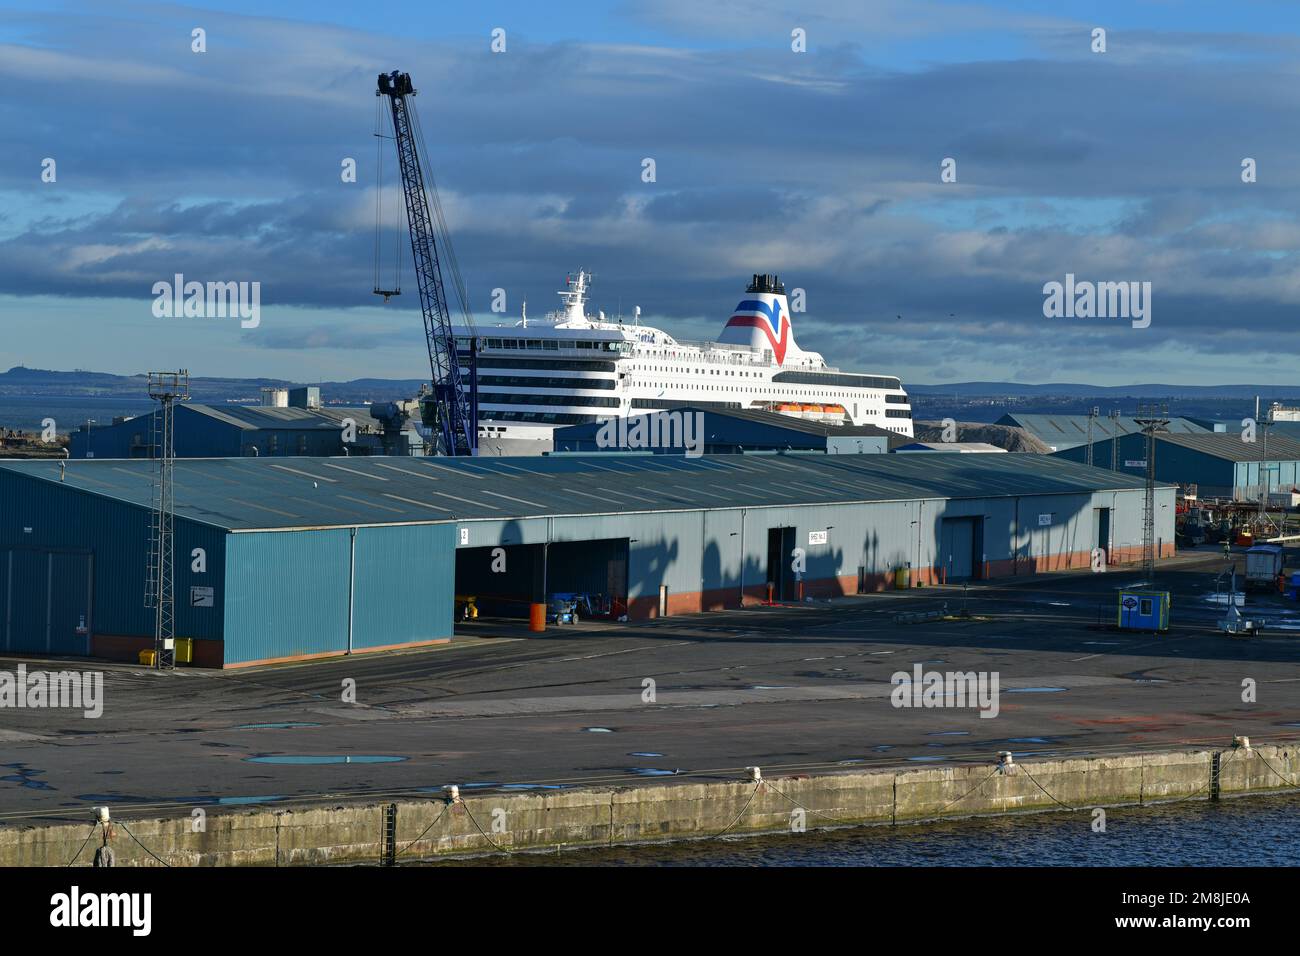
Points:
[34,382]
[80,383]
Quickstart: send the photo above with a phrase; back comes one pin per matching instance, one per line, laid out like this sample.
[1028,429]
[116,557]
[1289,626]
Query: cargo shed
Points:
[293,558]
[1216,464]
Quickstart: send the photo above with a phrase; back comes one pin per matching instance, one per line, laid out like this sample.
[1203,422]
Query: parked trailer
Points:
[1263,565]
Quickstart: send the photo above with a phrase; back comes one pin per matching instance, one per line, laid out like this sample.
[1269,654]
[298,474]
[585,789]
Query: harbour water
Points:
[69,412]
[1247,831]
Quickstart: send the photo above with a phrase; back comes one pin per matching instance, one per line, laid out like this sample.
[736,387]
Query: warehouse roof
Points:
[1065,431]
[265,493]
[265,417]
[249,417]
[1229,445]
[757,416]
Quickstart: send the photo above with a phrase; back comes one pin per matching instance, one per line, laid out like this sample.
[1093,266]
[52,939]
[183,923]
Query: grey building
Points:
[952,447]
[233,431]
[289,558]
[724,432]
[1059,432]
[1216,464]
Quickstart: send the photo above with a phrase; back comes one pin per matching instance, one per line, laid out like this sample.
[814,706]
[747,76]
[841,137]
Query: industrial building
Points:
[1060,432]
[283,559]
[1213,464]
[234,431]
[725,432]
[952,447]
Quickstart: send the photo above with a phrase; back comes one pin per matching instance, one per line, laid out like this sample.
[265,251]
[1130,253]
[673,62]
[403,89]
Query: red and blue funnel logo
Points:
[768,315]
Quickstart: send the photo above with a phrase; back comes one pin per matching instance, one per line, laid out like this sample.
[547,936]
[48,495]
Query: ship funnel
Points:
[762,319]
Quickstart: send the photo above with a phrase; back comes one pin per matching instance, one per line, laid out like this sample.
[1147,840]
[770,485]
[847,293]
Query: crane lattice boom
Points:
[452,401]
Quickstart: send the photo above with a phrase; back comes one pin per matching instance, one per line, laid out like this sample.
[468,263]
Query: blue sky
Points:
[822,166]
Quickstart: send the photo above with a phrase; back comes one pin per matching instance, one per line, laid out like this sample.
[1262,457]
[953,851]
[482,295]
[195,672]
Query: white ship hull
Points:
[572,369]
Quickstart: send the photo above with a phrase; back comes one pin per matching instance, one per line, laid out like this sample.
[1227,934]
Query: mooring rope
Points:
[1279,774]
[752,794]
[83,845]
[142,846]
[800,805]
[992,773]
[480,830]
[441,814]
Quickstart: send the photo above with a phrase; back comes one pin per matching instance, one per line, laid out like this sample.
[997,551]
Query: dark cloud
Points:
[824,168]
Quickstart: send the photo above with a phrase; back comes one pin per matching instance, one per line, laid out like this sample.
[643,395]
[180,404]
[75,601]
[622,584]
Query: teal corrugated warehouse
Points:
[74,553]
[293,558]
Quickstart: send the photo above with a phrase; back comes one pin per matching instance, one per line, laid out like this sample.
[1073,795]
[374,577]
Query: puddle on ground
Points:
[533,786]
[1030,740]
[770,687]
[25,777]
[314,759]
[225,801]
[597,730]
[114,798]
[286,725]
[644,753]
[949,733]
[651,772]
[1035,690]
[881,748]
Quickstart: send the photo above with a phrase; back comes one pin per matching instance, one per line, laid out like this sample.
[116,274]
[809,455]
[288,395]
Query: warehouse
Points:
[716,431]
[285,559]
[1212,464]
[1059,432]
[227,431]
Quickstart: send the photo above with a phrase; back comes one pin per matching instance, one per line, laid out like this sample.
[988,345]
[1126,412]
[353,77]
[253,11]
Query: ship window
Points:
[551,344]
[494,343]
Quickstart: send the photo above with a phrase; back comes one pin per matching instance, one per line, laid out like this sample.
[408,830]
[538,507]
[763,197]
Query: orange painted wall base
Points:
[694,602]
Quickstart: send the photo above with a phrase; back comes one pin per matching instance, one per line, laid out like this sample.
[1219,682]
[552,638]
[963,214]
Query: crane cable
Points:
[379,185]
[380,136]
[443,235]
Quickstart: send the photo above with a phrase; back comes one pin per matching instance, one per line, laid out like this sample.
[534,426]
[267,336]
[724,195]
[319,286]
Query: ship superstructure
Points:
[571,368]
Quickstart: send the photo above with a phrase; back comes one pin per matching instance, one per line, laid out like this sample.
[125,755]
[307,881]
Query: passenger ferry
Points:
[572,368]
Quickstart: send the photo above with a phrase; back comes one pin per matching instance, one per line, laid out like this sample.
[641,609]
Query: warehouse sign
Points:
[201,597]
[1044,520]
[817,537]
[1135,464]
[464,535]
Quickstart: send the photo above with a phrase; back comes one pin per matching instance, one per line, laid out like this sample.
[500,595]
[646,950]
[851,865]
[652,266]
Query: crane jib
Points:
[454,412]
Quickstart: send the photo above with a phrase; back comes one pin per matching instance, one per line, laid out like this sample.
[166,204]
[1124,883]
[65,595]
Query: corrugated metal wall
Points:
[287,592]
[115,536]
[702,551]
[404,582]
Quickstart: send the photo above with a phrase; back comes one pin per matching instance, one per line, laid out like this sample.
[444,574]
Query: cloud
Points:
[823,167]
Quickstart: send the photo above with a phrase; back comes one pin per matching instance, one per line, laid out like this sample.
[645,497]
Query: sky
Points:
[823,165]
